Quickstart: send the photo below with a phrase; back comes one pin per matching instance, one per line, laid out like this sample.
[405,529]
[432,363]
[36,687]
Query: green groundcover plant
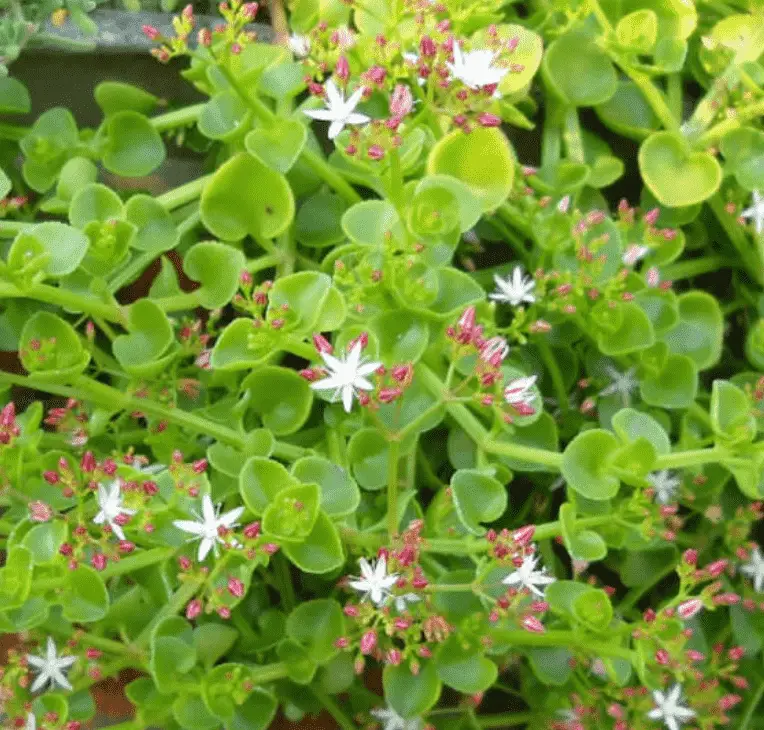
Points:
[417,425]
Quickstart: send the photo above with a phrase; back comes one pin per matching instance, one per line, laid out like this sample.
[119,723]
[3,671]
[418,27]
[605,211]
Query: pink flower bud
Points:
[200,466]
[342,643]
[93,653]
[250,10]
[402,373]
[363,338]
[224,612]
[494,351]
[716,568]
[726,599]
[524,535]
[690,557]
[39,511]
[236,587]
[193,609]
[388,395]
[252,530]
[342,69]
[662,657]
[98,561]
[532,624]
[88,462]
[376,152]
[8,415]
[351,611]
[394,657]
[729,701]
[651,217]
[51,477]
[368,642]
[401,101]
[151,32]
[427,47]
[322,345]
[204,37]
[125,546]
[467,320]
[690,608]
[489,120]
[736,653]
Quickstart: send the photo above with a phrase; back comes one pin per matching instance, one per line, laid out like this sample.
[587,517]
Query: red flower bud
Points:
[368,642]
[88,462]
[532,624]
[193,609]
[98,561]
[236,587]
[322,345]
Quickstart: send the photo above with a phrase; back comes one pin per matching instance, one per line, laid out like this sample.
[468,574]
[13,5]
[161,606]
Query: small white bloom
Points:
[339,111]
[623,384]
[754,569]
[299,45]
[756,212]
[31,722]
[564,205]
[515,289]
[669,709]
[665,485]
[346,376]
[206,526]
[633,253]
[50,668]
[391,720]
[403,600]
[494,351]
[110,501]
[475,68]
[374,582]
[526,576]
[518,391]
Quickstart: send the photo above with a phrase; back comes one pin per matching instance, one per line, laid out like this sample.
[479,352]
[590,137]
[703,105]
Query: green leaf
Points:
[638,31]
[278,147]
[591,80]
[593,609]
[743,151]
[75,175]
[676,175]
[628,113]
[300,299]
[483,160]
[43,541]
[368,453]
[115,96]
[461,665]
[587,545]
[256,713]
[133,148]
[700,330]
[16,577]
[94,202]
[675,385]
[292,513]
[478,498]
[551,665]
[631,424]
[235,348]
[318,221]
[731,413]
[172,654]
[191,713]
[47,146]
[260,481]
[401,335]
[155,230]
[212,642]
[50,348]
[280,397]
[316,626]
[150,336]
[14,97]
[224,117]
[232,207]
[627,330]
[85,599]
[63,246]
[321,551]
[300,667]
[339,493]
[372,223]
[585,464]
[411,695]
[217,267]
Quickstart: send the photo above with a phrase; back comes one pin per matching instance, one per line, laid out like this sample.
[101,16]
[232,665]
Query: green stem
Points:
[66,299]
[738,238]
[10,229]
[284,580]
[178,302]
[570,639]
[674,95]
[713,135]
[179,599]
[392,488]
[263,262]
[599,13]
[13,132]
[396,182]
[135,267]
[177,118]
[334,709]
[558,383]
[183,194]
[632,597]
[314,160]
[750,711]
[574,143]
[695,267]
[653,95]
[693,457]
[504,719]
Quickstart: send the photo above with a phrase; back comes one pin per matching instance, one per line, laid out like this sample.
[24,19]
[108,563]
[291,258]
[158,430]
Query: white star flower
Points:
[622,384]
[299,45]
[50,668]
[391,720]
[665,485]
[518,391]
[339,111]
[475,68]
[110,501]
[633,253]
[374,582]
[526,576]
[756,212]
[754,569]
[403,600]
[207,525]
[347,376]
[515,289]
[668,708]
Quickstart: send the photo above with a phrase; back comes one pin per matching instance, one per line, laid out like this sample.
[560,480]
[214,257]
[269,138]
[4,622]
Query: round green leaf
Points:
[631,424]
[234,349]
[94,202]
[50,347]
[232,206]
[256,713]
[478,498]
[191,713]
[402,336]
[318,221]
[591,80]
[261,479]
[150,335]
[675,385]
[372,223]
[14,97]
[730,410]
[217,267]
[115,96]
[108,245]
[280,397]
[468,208]
[638,31]
[16,576]
[292,513]
[65,246]
[75,174]
[410,694]
[743,151]
[461,665]
[279,146]
[483,160]
[593,609]
[321,551]
[316,625]
[676,175]
[156,232]
[629,328]
[585,464]
[43,541]
[85,599]
[700,330]
[339,493]
[133,147]
[224,117]
[368,453]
